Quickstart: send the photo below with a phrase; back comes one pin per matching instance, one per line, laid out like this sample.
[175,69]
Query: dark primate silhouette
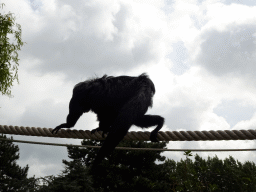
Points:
[119,103]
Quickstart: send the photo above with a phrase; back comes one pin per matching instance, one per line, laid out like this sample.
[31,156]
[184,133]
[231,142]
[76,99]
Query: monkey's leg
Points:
[148,121]
[125,119]
[112,140]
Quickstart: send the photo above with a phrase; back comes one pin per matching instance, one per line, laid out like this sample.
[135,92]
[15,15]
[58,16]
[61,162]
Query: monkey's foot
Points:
[153,137]
[55,131]
[94,130]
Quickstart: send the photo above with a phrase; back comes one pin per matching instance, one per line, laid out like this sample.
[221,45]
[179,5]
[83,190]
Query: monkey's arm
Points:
[71,121]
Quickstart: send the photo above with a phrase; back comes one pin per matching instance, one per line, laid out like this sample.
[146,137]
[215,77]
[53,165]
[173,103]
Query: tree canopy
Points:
[10,44]
[126,170]
[12,176]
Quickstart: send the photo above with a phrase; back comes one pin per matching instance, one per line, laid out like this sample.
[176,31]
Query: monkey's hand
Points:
[94,130]
[99,129]
[55,131]
[153,136]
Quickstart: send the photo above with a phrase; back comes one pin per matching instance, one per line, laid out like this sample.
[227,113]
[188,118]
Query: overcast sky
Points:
[201,55]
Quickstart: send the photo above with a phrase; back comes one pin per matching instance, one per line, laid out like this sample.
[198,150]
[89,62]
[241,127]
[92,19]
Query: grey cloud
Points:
[120,20]
[232,51]
[234,111]
[188,114]
[44,114]
[47,156]
[187,117]
[244,2]
[142,51]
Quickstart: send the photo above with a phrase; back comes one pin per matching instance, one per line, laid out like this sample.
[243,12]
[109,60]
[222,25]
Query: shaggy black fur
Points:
[119,103]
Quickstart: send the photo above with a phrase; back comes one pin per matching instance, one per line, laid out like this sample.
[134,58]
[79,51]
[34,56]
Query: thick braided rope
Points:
[133,135]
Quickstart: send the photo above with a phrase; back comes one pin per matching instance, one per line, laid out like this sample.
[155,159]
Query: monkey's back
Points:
[109,94]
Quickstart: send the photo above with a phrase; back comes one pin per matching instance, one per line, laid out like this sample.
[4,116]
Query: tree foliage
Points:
[136,171]
[10,44]
[126,170]
[212,174]
[12,176]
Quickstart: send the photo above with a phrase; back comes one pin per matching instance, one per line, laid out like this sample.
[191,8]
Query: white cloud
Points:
[247,124]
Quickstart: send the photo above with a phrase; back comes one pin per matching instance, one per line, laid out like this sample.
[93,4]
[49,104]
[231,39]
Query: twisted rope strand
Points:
[133,135]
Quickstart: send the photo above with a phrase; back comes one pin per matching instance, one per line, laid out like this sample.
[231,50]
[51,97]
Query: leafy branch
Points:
[10,44]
